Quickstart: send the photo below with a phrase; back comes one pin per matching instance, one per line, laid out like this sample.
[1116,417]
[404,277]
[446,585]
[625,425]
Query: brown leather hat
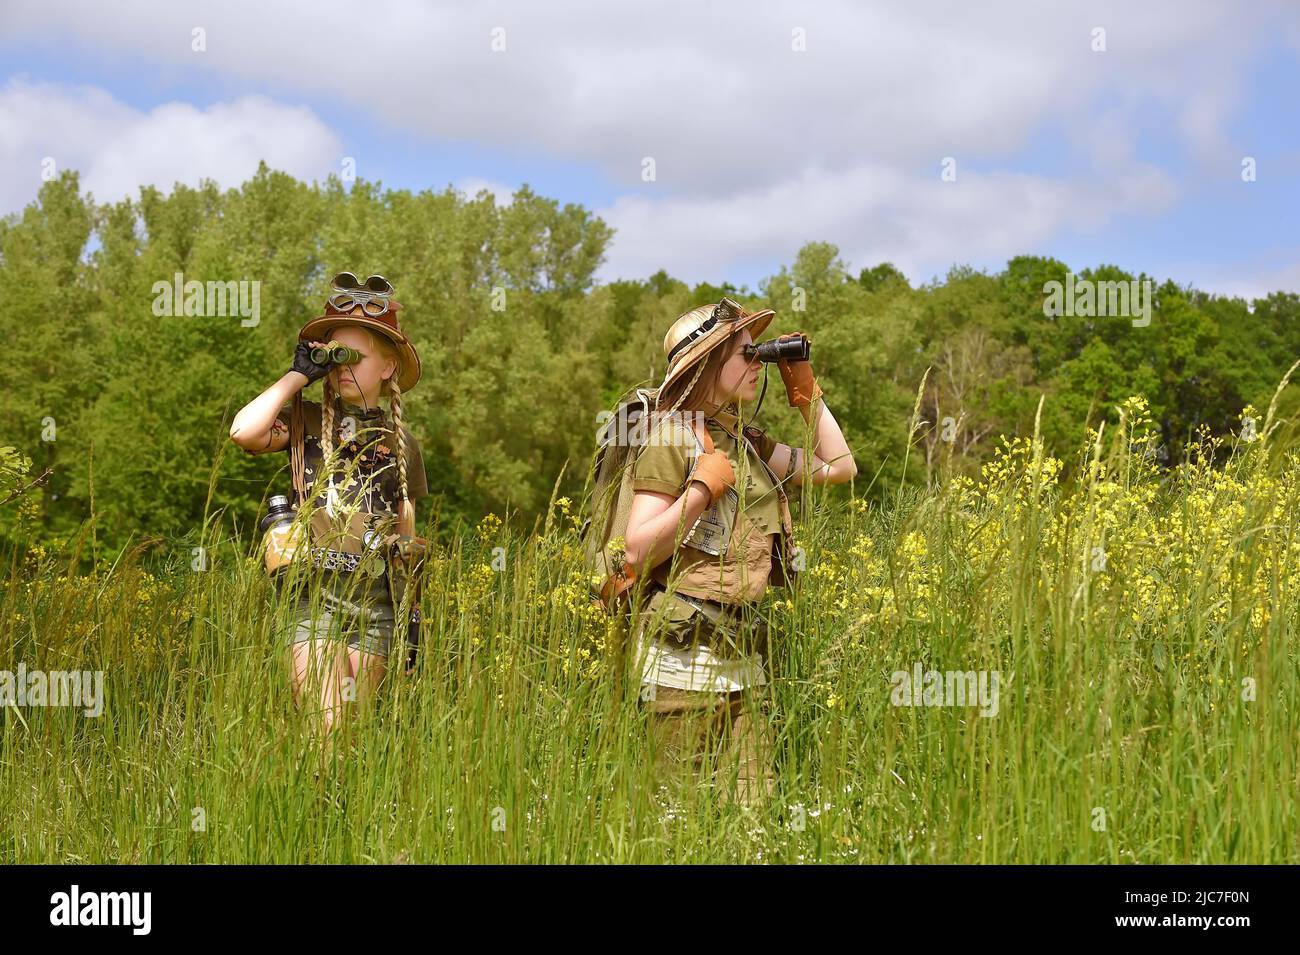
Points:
[385,323]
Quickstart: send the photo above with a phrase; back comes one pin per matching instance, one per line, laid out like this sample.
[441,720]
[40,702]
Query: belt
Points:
[327,559]
[715,611]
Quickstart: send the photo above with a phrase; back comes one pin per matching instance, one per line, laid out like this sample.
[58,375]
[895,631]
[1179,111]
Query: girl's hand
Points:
[801,387]
[715,472]
[712,469]
[303,364]
[410,551]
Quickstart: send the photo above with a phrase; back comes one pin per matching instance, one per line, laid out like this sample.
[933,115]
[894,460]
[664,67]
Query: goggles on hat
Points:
[372,295]
[725,311]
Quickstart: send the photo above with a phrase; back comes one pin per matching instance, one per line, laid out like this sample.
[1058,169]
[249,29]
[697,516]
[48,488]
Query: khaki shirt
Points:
[740,574]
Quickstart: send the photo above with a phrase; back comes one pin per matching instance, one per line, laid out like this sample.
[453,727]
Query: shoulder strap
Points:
[702,435]
[759,441]
[297,461]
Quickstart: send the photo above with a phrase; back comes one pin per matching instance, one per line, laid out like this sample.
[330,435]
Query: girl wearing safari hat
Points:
[364,471]
[709,530]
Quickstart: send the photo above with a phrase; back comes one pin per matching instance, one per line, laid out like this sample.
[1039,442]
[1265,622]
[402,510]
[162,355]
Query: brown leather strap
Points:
[703,434]
[297,459]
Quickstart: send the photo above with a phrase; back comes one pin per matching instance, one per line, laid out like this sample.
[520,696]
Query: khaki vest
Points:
[729,555]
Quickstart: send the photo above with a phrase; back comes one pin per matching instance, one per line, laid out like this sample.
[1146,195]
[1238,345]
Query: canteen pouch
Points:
[685,621]
[284,543]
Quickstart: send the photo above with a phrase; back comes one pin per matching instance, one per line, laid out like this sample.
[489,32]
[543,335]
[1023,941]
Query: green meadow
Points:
[1142,622]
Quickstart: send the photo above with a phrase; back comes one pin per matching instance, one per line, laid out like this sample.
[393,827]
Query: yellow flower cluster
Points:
[488,527]
[892,591]
[470,590]
[1121,547]
[136,610]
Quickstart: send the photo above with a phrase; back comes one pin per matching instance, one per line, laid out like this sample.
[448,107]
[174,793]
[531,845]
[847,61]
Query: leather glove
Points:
[801,387]
[714,471]
[303,364]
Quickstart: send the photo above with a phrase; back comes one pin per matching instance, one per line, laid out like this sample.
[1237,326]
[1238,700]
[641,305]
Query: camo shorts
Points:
[368,626]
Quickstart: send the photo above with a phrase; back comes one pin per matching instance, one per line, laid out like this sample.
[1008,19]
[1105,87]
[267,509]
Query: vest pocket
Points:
[675,622]
[681,625]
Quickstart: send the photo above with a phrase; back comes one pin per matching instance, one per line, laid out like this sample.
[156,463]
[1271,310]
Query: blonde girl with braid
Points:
[363,472]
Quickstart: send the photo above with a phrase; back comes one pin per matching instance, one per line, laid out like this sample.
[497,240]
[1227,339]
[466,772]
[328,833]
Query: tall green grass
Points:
[1136,610]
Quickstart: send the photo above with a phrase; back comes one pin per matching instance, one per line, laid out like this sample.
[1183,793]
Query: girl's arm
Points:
[256,428]
[832,461]
[655,517]
[652,524]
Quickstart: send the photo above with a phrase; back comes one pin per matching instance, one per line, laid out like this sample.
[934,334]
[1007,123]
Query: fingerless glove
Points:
[303,364]
[714,471]
[801,387]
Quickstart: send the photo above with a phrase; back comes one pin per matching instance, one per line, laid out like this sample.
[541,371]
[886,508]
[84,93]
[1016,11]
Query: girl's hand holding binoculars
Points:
[303,364]
[801,386]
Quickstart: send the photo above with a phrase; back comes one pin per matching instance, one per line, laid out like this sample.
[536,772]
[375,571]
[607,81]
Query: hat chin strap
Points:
[699,368]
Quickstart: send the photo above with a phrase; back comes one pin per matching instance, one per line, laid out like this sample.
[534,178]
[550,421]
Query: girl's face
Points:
[359,383]
[738,378]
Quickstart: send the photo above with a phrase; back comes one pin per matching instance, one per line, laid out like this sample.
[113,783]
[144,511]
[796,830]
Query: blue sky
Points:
[1130,155]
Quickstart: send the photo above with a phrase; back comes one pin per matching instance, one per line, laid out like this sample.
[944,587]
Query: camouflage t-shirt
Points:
[365,437]
[364,490]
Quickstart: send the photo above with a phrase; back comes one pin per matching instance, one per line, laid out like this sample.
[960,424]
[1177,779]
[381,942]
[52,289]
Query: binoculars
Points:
[790,348]
[334,352]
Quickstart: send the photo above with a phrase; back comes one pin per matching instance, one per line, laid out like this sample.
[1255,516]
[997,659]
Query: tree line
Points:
[130,402]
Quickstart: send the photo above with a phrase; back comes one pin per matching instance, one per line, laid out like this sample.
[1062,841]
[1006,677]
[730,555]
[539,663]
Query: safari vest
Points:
[729,554]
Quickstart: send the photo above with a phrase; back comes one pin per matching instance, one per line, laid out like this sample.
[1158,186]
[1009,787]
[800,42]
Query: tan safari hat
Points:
[698,332]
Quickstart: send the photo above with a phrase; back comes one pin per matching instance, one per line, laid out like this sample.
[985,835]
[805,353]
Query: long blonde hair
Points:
[388,349]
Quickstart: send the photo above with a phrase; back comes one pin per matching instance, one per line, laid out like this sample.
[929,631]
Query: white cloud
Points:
[117,148]
[714,92]
[839,142]
[874,214]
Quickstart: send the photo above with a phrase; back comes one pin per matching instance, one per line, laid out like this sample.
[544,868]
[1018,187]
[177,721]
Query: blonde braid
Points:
[395,407]
[327,441]
[327,421]
[699,368]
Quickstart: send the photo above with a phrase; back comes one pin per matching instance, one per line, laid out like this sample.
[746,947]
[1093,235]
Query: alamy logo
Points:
[82,688]
[211,299]
[1088,299]
[103,908]
[948,688]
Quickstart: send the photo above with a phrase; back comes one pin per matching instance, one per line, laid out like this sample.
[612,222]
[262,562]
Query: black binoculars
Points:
[334,352]
[790,348]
